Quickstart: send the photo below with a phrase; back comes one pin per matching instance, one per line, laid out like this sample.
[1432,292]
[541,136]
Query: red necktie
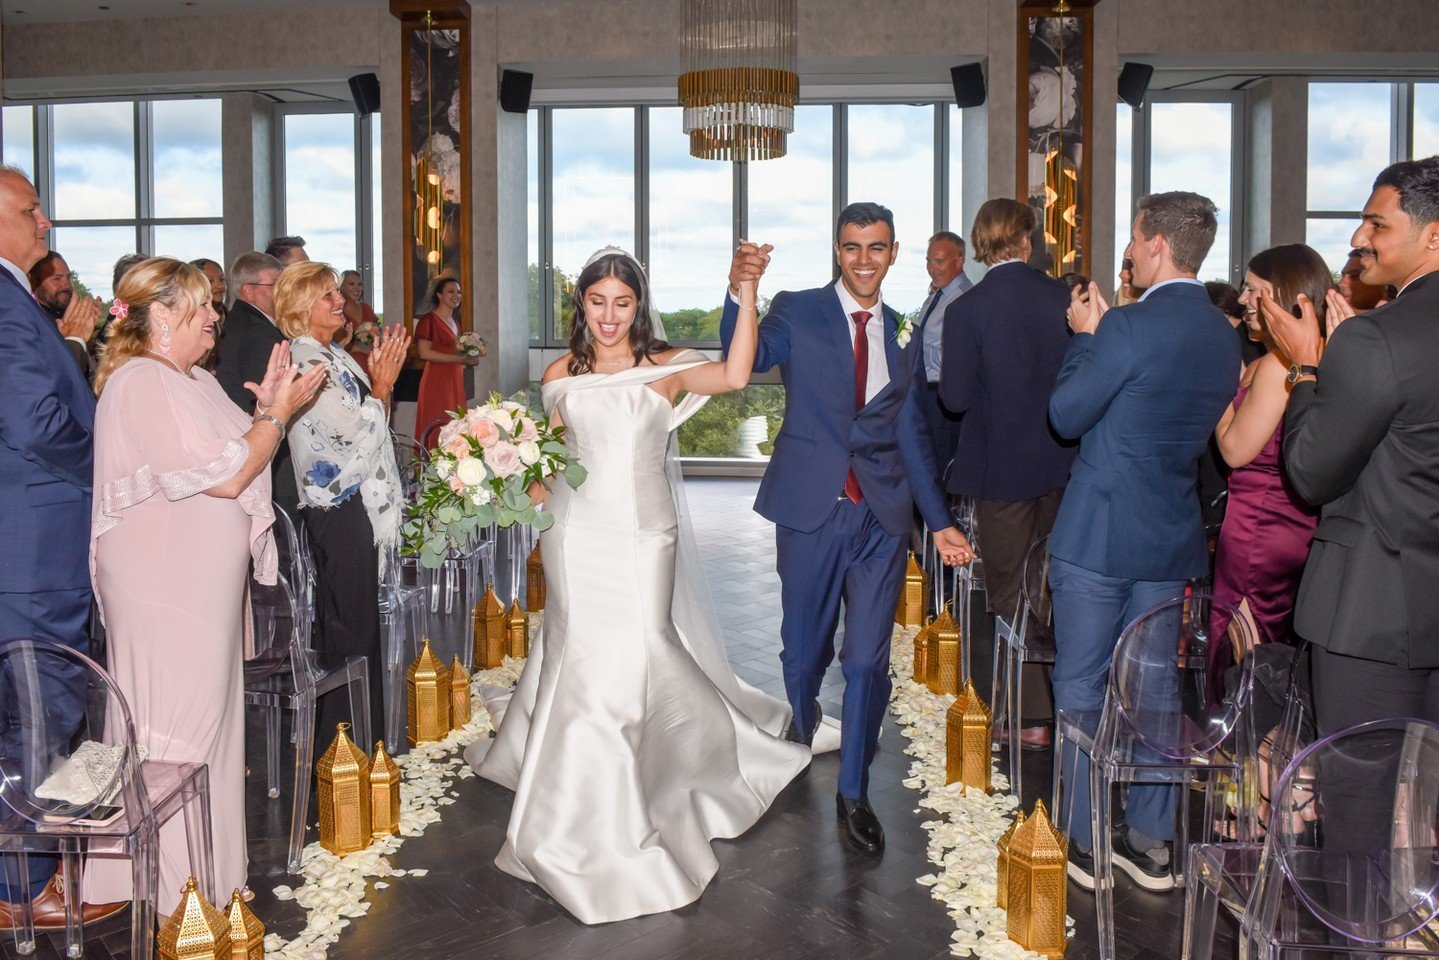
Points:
[861,380]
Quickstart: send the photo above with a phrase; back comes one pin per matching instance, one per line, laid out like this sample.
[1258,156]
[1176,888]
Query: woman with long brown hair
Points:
[442,387]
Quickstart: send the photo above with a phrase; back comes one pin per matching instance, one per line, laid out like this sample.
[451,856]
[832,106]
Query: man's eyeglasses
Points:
[257,283]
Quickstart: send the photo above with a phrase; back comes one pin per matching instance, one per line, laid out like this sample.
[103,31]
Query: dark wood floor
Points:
[787,890]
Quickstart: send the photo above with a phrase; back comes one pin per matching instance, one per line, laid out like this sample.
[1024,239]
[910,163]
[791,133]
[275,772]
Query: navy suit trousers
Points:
[848,558]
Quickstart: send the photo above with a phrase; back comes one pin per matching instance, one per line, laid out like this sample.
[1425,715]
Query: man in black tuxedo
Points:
[1361,439]
[243,353]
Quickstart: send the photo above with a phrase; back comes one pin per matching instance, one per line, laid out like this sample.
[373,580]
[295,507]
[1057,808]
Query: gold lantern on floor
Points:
[384,794]
[459,695]
[535,580]
[1037,887]
[489,630]
[196,930]
[517,629]
[427,688]
[910,610]
[247,933]
[1001,868]
[921,651]
[942,662]
[343,792]
[967,739]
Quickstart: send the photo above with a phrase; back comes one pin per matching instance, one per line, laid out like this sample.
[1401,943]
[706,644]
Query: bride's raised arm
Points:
[733,372]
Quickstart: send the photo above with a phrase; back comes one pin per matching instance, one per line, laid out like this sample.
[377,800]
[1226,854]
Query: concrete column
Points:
[1099,152]
[485,193]
[1001,73]
[393,172]
[1277,143]
[247,161]
[512,321]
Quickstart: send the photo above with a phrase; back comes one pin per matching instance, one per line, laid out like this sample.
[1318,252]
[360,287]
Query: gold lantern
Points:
[1001,869]
[384,794]
[517,627]
[1036,885]
[489,630]
[967,740]
[196,930]
[247,933]
[535,580]
[910,610]
[343,791]
[921,651]
[942,664]
[459,695]
[427,684]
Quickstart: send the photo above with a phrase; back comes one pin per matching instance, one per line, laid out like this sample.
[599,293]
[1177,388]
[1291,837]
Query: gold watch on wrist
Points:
[1299,371]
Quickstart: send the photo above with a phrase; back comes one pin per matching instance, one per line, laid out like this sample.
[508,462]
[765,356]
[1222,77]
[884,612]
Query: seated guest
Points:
[54,289]
[1004,342]
[359,317]
[1359,295]
[45,474]
[348,480]
[1360,441]
[944,261]
[182,491]
[287,250]
[1267,528]
[1142,388]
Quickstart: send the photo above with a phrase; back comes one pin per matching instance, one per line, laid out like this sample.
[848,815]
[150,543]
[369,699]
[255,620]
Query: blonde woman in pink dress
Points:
[182,511]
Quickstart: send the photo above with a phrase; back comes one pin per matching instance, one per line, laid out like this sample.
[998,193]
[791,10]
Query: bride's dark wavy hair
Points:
[643,340]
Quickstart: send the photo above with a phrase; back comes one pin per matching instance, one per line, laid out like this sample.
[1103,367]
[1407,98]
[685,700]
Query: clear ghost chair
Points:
[412,459]
[1349,865]
[302,574]
[1157,730]
[966,579]
[286,674]
[53,774]
[404,622]
[1028,637]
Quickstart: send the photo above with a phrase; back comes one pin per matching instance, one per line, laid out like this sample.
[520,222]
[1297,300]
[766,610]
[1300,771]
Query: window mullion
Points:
[144,176]
[942,186]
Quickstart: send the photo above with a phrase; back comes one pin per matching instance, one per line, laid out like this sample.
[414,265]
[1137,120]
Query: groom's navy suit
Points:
[828,548]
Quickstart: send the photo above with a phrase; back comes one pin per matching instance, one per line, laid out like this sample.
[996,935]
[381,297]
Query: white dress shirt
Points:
[878,371]
[1165,283]
[934,325]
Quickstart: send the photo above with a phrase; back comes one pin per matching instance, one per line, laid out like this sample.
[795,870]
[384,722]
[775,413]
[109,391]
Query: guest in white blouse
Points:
[349,483]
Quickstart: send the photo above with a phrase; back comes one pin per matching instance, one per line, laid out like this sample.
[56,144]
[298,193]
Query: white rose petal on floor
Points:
[962,844]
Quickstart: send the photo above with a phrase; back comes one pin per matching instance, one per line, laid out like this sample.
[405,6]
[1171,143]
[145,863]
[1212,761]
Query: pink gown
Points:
[169,566]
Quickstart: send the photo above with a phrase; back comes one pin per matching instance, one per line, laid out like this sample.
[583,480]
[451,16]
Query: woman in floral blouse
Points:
[349,483]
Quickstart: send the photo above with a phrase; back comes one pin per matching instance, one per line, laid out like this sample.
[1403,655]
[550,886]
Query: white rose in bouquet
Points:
[470,470]
[529,452]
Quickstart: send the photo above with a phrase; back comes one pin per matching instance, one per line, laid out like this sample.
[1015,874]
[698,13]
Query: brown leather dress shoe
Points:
[1030,738]
[50,909]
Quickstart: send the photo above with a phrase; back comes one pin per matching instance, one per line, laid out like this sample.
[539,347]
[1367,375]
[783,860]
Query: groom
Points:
[853,456]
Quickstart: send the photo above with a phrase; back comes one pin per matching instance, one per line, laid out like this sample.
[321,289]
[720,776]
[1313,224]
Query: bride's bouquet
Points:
[480,474]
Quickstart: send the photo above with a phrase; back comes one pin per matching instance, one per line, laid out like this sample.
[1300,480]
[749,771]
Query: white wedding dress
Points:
[628,742]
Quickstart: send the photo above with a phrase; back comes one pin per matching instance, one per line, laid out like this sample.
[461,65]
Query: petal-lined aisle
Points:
[962,840]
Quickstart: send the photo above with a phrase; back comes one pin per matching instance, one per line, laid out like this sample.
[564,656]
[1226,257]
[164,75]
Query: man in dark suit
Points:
[851,461]
[944,261]
[77,317]
[46,422]
[243,353]
[1004,342]
[1361,439]
[1142,388]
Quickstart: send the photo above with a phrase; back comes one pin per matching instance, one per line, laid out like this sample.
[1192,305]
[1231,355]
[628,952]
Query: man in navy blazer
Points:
[1142,388]
[852,460]
[45,474]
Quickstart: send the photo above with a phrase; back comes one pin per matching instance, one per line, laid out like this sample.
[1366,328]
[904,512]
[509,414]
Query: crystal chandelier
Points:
[739,87]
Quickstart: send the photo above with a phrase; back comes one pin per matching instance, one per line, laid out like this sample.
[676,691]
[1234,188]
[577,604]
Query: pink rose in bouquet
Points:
[484,432]
[503,459]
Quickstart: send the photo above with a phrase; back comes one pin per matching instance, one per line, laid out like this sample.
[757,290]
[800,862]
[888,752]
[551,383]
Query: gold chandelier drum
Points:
[739,86]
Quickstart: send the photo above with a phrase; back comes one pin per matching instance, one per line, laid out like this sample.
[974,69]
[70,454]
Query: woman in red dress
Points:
[442,387]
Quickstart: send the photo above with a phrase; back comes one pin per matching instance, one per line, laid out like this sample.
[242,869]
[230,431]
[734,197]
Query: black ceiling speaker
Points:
[968,82]
[365,88]
[1134,83]
[515,90]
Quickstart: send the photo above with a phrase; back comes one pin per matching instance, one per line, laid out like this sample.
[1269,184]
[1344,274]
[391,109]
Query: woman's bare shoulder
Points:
[557,370]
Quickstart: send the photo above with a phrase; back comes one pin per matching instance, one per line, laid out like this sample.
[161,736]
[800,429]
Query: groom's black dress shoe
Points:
[861,827]
[792,734]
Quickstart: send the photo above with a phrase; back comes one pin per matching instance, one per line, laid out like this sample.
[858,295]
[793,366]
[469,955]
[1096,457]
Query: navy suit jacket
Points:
[1004,342]
[807,335]
[47,418]
[1144,393]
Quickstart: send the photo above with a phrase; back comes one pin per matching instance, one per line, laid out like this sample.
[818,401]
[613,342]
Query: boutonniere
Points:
[903,330]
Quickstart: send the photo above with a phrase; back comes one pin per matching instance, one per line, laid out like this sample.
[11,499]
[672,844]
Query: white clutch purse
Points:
[88,776]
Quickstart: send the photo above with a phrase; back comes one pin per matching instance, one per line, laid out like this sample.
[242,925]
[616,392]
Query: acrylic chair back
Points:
[411,458]
[1034,584]
[1355,823]
[72,745]
[1158,684]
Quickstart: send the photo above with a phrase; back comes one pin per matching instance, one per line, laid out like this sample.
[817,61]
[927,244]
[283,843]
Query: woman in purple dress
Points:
[1264,541]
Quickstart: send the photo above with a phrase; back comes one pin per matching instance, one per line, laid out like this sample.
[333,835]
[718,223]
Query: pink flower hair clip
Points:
[119,309]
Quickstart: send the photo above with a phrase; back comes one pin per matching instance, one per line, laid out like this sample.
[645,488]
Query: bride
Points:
[628,742]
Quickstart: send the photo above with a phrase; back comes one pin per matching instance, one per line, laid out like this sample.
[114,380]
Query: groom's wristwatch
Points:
[1303,371]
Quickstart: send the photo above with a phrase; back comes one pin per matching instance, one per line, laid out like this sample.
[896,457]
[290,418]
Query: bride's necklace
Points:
[155,353]
[628,361]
